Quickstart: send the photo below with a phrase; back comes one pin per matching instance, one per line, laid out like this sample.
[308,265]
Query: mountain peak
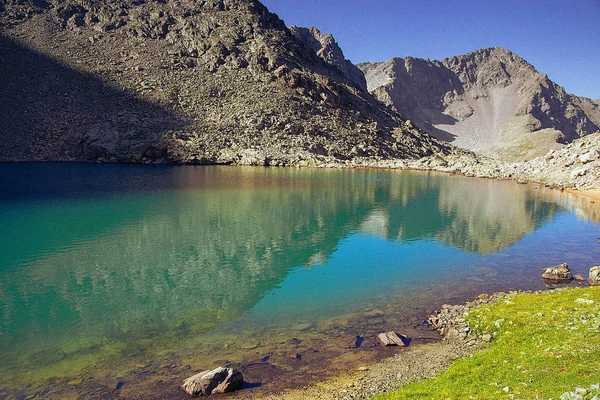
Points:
[325,46]
[487,100]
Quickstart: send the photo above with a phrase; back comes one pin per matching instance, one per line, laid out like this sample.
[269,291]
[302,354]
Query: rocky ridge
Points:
[327,48]
[490,100]
[217,81]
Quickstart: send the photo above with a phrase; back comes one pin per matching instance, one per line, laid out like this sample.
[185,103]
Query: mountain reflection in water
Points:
[113,260]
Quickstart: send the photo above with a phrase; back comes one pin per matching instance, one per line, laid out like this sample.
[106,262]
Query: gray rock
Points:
[594,278]
[588,157]
[486,338]
[558,273]
[220,380]
[579,171]
[392,339]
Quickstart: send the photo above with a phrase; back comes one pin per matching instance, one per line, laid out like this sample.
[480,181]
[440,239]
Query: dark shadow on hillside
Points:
[49,111]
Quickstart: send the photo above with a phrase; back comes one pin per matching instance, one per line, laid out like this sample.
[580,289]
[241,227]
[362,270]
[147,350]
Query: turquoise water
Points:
[108,269]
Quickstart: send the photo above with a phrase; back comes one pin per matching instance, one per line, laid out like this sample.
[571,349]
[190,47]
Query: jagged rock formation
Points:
[216,81]
[327,48]
[490,100]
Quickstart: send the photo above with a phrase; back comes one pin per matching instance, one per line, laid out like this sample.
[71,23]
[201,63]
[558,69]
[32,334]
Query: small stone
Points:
[506,389]
[392,339]
[362,369]
[486,338]
[584,301]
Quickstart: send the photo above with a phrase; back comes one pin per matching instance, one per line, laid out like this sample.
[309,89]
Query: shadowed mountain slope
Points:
[181,81]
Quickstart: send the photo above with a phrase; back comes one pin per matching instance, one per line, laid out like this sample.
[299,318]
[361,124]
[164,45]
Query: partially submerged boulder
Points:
[392,339]
[220,380]
[558,274]
[594,279]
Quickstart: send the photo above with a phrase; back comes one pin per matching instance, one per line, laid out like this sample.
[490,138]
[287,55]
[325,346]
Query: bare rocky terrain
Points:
[490,101]
[574,166]
[327,48]
[216,81]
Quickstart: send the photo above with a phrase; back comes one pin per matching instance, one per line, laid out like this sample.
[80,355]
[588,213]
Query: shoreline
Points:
[414,364]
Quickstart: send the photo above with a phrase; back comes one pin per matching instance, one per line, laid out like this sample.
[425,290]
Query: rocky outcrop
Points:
[327,48]
[594,278]
[218,381]
[577,165]
[490,100]
[217,81]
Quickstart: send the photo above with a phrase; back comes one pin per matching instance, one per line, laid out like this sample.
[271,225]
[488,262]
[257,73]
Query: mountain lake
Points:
[119,281]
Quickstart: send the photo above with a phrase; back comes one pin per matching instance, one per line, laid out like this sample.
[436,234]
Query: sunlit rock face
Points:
[490,100]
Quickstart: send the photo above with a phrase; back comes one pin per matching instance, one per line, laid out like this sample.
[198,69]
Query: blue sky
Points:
[560,38]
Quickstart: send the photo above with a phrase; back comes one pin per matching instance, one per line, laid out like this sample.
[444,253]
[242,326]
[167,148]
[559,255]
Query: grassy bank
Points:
[544,345]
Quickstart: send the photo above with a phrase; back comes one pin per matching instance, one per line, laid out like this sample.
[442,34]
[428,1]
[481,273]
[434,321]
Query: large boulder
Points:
[558,274]
[220,380]
[594,279]
[392,339]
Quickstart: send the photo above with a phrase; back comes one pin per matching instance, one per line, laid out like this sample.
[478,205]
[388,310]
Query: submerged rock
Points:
[594,278]
[558,273]
[392,339]
[220,380]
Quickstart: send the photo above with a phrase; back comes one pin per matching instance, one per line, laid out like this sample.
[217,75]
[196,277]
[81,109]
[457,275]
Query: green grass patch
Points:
[544,345]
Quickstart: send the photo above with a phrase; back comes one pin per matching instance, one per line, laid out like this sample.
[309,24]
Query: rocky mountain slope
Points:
[490,101]
[215,81]
[327,48]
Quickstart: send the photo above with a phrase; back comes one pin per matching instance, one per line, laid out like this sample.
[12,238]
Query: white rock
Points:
[579,171]
[588,157]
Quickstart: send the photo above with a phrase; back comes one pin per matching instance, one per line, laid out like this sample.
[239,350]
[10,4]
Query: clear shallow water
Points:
[134,272]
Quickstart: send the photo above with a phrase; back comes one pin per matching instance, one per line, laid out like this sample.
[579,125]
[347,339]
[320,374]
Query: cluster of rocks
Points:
[582,393]
[450,322]
[576,165]
[561,274]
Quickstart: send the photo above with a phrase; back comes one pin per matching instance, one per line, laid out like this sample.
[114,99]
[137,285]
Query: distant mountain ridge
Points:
[490,100]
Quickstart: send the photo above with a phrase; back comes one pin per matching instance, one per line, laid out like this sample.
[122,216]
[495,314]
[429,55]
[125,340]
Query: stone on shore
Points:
[220,380]
[392,339]
[558,273]
[594,278]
